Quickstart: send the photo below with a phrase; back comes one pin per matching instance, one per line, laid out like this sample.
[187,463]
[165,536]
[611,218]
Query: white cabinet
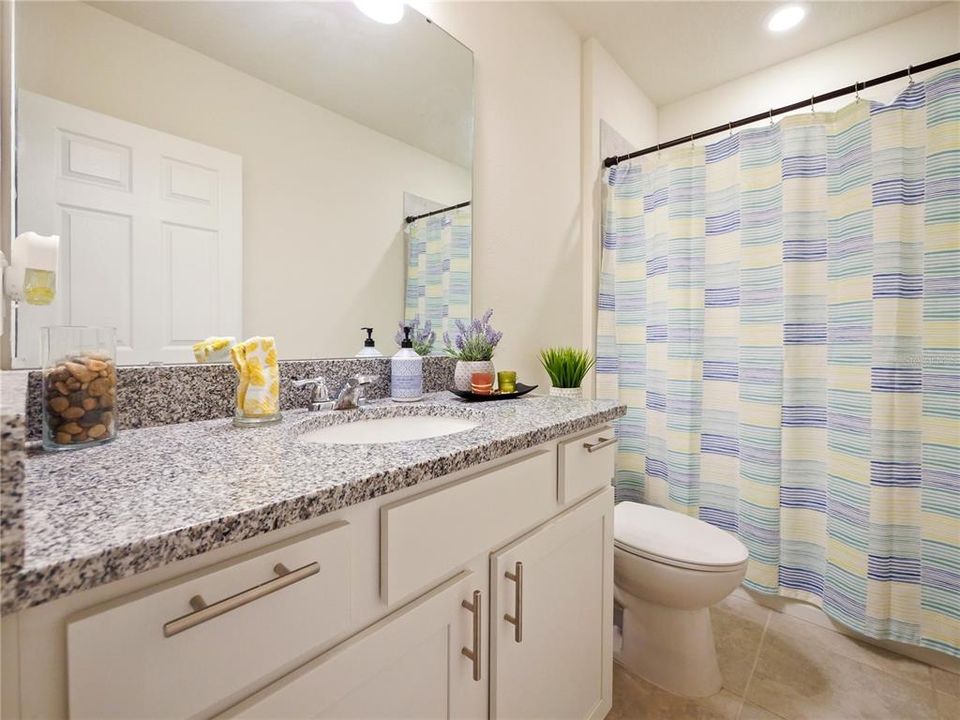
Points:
[363,613]
[410,664]
[181,648]
[551,617]
[425,536]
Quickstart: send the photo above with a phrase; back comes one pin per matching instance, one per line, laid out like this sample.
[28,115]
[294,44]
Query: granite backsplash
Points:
[150,395]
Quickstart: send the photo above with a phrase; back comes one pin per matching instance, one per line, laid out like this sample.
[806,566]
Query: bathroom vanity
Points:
[201,570]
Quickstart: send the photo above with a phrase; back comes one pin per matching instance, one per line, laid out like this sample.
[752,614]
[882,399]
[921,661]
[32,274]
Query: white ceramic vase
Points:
[465,370]
[575,393]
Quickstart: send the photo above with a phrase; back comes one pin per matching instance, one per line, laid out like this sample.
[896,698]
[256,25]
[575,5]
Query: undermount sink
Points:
[389,430]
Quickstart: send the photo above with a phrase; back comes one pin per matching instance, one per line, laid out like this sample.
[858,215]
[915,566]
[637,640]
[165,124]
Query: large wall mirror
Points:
[295,169]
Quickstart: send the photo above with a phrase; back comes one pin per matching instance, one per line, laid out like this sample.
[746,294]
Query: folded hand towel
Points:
[213,349]
[258,389]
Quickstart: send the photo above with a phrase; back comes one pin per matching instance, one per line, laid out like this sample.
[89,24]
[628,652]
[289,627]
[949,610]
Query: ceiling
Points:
[411,81]
[674,49]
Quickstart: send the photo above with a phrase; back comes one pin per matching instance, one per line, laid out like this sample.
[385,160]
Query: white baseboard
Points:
[814,615]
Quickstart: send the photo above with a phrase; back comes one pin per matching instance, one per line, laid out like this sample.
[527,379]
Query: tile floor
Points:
[776,667]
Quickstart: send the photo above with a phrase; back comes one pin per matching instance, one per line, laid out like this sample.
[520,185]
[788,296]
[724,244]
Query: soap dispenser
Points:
[369,348]
[406,372]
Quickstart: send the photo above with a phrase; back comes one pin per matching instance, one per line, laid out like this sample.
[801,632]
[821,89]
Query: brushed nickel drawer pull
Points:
[476,608]
[599,444]
[516,620]
[203,612]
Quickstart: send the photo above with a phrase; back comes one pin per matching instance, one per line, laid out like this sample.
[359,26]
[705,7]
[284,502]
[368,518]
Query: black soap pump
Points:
[369,347]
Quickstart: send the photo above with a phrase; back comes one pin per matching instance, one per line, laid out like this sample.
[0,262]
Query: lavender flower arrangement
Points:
[423,337]
[474,342]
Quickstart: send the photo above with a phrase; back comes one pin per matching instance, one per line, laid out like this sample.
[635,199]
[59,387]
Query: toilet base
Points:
[674,649]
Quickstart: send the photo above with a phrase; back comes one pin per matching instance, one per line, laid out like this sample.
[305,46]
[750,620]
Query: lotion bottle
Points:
[406,372]
[369,348]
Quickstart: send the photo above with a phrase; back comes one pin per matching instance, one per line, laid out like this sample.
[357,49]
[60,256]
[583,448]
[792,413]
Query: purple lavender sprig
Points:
[423,337]
[473,342]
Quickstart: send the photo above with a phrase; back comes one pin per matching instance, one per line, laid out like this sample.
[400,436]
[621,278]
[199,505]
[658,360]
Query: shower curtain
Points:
[780,311]
[438,269]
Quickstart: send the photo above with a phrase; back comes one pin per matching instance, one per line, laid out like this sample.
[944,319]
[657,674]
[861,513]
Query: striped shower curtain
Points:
[780,310]
[438,269]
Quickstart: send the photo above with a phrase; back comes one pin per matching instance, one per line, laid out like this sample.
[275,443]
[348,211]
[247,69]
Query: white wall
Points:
[6,168]
[913,40]
[528,260]
[608,96]
[323,195]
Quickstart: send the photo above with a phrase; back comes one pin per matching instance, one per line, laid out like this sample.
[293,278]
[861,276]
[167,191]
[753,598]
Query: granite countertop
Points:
[166,493]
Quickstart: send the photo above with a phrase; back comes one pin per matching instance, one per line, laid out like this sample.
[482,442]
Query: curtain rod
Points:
[410,218]
[840,92]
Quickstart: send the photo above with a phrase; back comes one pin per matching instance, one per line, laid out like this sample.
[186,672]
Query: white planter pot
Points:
[465,370]
[575,393]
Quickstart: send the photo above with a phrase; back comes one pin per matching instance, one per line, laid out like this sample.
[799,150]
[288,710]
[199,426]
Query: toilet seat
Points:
[671,538]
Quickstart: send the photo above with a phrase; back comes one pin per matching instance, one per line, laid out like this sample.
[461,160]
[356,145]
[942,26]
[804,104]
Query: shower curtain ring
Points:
[811,103]
[658,149]
[771,117]
[856,90]
[730,128]
[691,141]
[910,74]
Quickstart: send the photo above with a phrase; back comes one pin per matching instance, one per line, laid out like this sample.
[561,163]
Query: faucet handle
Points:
[320,392]
[361,380]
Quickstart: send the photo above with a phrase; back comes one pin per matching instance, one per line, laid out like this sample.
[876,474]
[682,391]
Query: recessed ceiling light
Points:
[388,12]
[785,18]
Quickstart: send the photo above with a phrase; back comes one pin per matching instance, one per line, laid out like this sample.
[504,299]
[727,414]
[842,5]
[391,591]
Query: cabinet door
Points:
[551,617]
[408,665]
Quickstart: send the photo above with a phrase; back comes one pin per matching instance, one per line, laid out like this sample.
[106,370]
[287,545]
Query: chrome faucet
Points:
[353,394]
[319,395]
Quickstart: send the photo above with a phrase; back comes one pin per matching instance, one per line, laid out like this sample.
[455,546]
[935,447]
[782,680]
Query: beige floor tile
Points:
[800,679]
[755,712]
[813,637]
[737,630]
[948,706]
[743,607]
[946,682]
[636,699]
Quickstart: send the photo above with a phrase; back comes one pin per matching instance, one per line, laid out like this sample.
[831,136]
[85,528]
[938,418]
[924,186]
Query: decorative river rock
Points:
[79,396]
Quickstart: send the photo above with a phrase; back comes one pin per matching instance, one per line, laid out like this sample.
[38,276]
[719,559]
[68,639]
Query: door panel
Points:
[561,667]
[98,245]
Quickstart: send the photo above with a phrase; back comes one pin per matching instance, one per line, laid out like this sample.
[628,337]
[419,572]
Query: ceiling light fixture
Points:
[388,12]
[785,18]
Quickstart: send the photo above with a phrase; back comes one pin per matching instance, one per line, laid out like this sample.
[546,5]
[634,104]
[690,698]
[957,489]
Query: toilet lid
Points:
[675,539]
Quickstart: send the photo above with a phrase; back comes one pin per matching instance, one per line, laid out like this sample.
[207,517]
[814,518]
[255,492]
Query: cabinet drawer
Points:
[586,463]
[163,654]
[428,536]
[408,664]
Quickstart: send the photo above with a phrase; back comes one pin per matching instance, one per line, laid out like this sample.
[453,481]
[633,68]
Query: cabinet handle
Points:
[203,612]
[599,444]
[476,609]
[516,620]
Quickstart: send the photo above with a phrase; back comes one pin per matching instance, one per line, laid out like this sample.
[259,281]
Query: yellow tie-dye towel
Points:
[213,349]
[258,389]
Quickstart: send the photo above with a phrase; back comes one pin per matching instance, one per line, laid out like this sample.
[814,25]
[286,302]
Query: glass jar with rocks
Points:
[79,386]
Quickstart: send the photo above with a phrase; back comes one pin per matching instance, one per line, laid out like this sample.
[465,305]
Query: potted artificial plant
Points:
[472,345]
[566,367]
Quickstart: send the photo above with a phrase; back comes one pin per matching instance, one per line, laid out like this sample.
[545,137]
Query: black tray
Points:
[476,397]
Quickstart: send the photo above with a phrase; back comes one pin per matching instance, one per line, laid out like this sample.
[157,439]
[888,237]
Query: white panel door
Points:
[558,663]
[150,227]
[407,665]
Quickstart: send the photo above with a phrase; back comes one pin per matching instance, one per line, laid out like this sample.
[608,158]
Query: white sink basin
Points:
[388,430]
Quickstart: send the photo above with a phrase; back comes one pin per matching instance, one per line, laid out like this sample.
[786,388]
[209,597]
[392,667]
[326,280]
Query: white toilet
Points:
[669,569]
